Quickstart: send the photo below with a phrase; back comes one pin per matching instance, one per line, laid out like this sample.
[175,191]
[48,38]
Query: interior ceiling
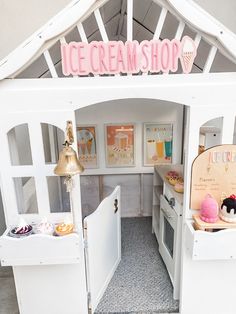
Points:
[145,16]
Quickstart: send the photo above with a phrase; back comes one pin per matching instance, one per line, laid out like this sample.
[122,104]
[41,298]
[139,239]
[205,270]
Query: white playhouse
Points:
[144,92]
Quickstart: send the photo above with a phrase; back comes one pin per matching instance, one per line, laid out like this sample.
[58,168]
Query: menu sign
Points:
[213,172]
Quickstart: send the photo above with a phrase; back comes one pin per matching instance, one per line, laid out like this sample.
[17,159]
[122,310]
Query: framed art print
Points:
[87,146]
[158,142]
[119,145]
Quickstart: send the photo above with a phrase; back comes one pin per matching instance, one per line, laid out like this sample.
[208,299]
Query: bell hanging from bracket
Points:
[68,164]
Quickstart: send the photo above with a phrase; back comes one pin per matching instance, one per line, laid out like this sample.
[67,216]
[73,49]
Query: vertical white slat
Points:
[210,59]
[178,34]
[121,20]
[16,161]
[37,149]
[197,39]
[101,25]
[180,30]
[52,143]
[62,40]
[82,33]
[228,129]
[129,20]
[50,64]
[160,23]
[141,194]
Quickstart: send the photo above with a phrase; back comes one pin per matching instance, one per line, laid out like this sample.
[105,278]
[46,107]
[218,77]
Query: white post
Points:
[160,23]
[50,64]
[210,59]
[129,20]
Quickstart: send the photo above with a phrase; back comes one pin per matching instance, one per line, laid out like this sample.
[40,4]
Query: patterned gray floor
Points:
[141,283]
[8,302]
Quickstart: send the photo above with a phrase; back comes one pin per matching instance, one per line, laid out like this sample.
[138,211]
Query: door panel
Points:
[103,235]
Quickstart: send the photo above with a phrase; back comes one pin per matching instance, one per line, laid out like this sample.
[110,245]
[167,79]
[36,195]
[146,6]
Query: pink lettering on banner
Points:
[145,60]
[112,55]
[73,60]
[155,64]
[175,55]
[103,58]
[120,57]
[130,57]
[165,55]
[93,57]
[82,56]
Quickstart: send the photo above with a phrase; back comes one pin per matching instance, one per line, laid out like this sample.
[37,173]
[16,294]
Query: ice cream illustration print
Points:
[188,54]
[157,143]
[87,146]
[119,145]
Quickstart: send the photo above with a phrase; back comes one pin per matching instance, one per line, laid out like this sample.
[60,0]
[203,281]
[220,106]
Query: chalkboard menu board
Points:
[213,172]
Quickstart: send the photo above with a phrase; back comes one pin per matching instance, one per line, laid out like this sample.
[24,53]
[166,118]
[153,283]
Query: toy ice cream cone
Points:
[188,54]
[82,146]
[89,145]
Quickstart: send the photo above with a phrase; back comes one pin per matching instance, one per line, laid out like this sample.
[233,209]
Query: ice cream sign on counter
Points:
[214,173]
[115,57]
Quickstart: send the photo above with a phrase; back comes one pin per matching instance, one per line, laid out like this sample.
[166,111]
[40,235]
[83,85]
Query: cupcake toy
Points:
[179,187]
[228,209]
[175,180]
[64,228]
[209,209]
[22,230]
[171,173]
[44,227]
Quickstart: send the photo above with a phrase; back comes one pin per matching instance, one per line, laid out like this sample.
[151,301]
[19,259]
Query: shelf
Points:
[39,249]
[162,171]
[219,224]
[204,245]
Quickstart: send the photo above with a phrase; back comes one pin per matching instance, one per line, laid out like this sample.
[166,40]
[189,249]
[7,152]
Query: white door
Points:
[103,238]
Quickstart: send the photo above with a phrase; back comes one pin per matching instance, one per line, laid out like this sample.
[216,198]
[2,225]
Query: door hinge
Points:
[85,244]
[89,303]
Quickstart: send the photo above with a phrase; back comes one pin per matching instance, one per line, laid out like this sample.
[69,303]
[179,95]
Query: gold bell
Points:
[68,163]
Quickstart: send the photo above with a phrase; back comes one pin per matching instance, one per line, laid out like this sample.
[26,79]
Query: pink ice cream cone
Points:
[188,54]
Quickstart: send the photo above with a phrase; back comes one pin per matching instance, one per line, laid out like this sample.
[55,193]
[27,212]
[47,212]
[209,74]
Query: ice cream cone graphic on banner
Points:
[188,54]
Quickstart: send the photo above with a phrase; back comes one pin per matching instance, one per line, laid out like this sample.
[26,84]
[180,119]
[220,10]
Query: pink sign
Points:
[115,57]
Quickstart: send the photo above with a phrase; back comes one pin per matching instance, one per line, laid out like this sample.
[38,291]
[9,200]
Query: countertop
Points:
[162,171]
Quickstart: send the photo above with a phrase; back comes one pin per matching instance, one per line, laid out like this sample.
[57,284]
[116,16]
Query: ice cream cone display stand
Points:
[114,106]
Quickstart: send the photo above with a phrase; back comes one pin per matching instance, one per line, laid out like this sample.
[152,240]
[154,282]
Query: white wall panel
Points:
[137,111]
[147,194]
[2,218]
[130,192]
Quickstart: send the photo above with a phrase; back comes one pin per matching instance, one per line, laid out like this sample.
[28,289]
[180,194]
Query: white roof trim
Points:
[23,55]
[78,10]
[203,21]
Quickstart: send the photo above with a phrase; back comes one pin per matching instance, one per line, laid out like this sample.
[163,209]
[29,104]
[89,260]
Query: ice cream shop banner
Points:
[115,57]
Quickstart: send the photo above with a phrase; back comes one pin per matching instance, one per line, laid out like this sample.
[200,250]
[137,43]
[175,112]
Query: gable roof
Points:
[185,11]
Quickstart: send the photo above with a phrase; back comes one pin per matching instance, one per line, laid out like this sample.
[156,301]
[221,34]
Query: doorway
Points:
[141,281]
